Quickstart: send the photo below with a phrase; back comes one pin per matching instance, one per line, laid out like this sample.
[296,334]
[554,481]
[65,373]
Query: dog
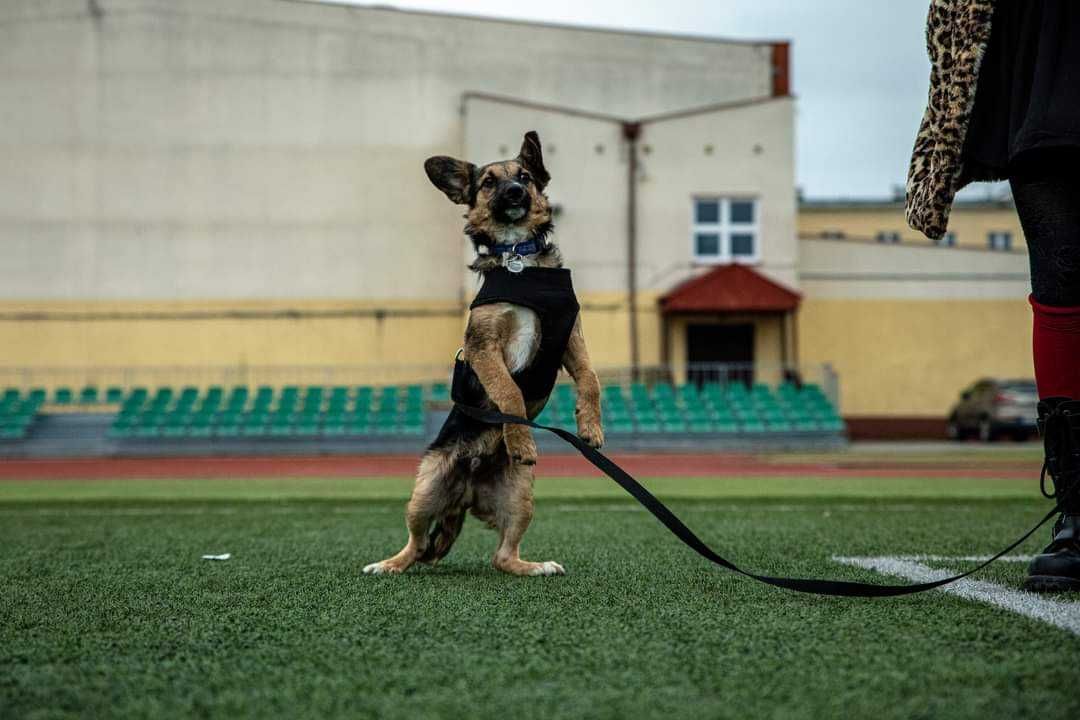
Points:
[522,327]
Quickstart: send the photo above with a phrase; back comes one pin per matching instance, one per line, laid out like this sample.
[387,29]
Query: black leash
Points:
[679,529]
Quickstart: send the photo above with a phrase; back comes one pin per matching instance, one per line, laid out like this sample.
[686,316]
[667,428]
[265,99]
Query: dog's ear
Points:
[533,158]
[453,177]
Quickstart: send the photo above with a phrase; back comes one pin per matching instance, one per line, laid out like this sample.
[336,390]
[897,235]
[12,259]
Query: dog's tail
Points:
[443,534]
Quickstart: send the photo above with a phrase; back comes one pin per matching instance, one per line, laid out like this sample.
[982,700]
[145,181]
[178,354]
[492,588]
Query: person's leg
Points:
[1046,190]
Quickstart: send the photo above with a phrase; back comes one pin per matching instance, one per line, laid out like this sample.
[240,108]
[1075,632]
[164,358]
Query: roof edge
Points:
[691,37]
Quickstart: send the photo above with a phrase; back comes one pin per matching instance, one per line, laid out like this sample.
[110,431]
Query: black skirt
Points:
[1028,96]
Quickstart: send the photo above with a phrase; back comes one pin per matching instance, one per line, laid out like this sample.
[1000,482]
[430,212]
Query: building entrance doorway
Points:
[720,353]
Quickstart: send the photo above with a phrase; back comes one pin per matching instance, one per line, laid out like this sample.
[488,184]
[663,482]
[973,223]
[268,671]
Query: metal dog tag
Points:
[515,263]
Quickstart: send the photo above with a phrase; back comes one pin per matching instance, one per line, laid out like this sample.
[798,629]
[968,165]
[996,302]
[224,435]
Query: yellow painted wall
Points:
[971,225]
[913,357]
[414,341]
[893,357]
[149,335]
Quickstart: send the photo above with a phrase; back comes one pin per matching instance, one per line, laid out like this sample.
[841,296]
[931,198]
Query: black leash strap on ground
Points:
[678,528]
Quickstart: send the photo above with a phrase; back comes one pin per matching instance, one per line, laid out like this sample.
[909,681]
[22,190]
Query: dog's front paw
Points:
[549,567]
[520,445]
[384,567]
[591,431]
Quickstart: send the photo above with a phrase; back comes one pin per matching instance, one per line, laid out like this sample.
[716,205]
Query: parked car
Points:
[992,408]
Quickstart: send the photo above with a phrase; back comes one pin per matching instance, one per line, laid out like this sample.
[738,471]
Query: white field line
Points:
[962,558]
[1065,615]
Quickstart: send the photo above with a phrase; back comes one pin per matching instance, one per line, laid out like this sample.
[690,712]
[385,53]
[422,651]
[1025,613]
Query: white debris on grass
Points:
[224,556]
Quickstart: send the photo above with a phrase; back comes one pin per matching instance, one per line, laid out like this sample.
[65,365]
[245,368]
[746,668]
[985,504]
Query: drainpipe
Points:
[631,131]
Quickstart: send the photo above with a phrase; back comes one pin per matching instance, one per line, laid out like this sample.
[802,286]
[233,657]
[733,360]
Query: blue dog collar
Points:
[526,247]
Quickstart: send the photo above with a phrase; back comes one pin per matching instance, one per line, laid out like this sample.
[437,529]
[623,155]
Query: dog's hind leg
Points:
[431,497]
[513,495]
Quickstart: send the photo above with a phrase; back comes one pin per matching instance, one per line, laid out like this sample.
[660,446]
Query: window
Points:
[889,237]
[999,240]
[946,240]
[725,229]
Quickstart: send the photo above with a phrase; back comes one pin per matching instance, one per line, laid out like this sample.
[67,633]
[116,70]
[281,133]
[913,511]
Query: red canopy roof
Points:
[730,288]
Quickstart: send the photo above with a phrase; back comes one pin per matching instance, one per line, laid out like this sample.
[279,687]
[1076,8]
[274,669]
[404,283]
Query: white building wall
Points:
[267,149]
[838,269]
[752,156]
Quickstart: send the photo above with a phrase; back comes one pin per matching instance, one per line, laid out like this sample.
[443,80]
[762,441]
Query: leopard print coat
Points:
[957,32]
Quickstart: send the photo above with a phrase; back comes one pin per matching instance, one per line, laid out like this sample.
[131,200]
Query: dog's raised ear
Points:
[533,158]
[453,177]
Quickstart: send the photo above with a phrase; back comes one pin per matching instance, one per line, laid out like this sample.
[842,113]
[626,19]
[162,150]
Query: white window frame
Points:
[724,229]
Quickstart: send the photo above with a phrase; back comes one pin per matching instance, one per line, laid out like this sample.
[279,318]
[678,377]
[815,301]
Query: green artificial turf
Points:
[106,609]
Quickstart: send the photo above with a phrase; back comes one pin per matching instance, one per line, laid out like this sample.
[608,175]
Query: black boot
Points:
[1057,568]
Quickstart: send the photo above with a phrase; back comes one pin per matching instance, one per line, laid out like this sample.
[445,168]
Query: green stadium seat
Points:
[63,396]
[726,426]
[307,427]
[439,392]
[264,398]
[674,425]
[648,426]
[254,424]
[280,426]
[335,428]
[700,426]
[688,394]
[88,395]
[146,431]
[227,428]
[238,399]
[339,399]
[752,426]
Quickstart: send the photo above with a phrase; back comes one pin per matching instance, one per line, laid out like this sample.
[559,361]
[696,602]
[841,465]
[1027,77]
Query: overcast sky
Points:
[859,70]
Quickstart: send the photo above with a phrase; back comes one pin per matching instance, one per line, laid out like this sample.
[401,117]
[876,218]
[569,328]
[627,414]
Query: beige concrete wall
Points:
[264,149]
[752,154]
[860,270]
[971,224]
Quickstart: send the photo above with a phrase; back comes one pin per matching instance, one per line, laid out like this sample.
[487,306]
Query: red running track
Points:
[682,465]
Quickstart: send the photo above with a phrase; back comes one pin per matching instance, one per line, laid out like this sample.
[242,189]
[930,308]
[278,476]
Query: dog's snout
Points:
[515,192]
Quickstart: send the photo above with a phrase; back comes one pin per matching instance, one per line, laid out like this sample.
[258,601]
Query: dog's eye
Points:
[489,181]
[525,177]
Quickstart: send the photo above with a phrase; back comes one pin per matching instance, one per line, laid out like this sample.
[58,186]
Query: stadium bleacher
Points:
[294,412]
[17,412]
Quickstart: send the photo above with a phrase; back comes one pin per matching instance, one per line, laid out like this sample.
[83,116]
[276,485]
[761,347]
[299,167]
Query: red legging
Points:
[1047,194]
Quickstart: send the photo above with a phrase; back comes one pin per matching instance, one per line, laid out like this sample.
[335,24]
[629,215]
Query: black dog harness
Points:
[550,294]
